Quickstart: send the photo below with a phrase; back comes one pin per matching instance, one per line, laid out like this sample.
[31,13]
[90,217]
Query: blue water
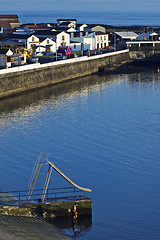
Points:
[117,18]
[104,133]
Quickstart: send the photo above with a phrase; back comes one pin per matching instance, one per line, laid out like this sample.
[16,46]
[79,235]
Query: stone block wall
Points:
[18,82]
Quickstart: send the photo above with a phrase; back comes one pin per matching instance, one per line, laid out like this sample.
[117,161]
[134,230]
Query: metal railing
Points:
[52,195]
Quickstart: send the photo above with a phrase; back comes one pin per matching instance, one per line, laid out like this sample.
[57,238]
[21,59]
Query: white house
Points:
[62,39]
[102,40]
[47,45]
[5,58]
[32,41]
[83,43]
[82,27]
[8,58]
[67,22]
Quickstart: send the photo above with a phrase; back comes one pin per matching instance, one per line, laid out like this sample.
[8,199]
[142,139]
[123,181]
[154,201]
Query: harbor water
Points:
[103,132]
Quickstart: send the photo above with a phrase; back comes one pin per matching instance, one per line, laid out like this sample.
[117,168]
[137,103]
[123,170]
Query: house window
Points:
[47,41]
[74,46]
[63,38]
[97,38]
[32,39]
[101,38]
[105,38]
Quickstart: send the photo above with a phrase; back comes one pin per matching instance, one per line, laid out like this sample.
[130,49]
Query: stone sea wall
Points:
[17,80]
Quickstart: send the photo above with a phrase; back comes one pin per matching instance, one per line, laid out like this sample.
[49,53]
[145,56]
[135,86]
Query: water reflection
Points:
[54,93]
[73,228]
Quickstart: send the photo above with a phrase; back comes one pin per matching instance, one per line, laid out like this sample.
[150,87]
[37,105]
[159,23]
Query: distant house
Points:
[102,40]
[5,58]
[154,37]
[9,22]
[50,44]
[46,34]
[8,58]
[47,45]
[148,36]
[144,36]
[83,42]
[32,42]
[119,39]
[67,22]
[39,26]
[94,28]
[98,28]
[82,27]
[123,37]
[62,39]
[23,31]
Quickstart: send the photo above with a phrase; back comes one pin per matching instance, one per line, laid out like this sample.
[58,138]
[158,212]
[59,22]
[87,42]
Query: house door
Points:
[48,49]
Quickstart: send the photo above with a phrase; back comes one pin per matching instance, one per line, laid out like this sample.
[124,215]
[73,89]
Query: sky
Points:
[79,5]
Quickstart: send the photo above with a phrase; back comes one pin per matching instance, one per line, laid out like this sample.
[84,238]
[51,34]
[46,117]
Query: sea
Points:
[102,131]
[116,18]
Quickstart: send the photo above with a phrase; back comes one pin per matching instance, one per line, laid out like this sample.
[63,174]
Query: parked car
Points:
[61,57]
[32,60]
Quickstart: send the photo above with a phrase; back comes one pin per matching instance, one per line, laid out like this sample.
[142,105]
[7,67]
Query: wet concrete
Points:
[28,229]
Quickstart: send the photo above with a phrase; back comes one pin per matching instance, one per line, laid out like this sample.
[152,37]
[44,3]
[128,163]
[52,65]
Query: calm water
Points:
[117,18]
[104,133]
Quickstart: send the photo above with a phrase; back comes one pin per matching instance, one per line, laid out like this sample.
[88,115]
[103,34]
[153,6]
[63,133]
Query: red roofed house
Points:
[8,22]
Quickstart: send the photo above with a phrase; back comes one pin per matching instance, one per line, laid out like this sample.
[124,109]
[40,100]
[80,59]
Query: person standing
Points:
[74,211]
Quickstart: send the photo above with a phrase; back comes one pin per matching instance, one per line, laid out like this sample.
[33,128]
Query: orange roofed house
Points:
[8,23]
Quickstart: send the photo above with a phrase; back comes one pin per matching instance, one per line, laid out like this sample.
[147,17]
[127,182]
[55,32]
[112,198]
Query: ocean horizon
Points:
[115,18]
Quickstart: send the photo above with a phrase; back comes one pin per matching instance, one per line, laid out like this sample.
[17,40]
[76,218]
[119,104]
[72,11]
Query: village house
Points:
[23,31]
[36,44]
[119,39]
[94,28]
[32,43]
[67,23]
[5,58]
[82,27]
[47,45]
[8,23]
[8,58]
[84,42]
[62,39]
[101,40]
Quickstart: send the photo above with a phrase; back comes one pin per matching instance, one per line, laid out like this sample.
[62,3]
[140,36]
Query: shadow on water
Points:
[54,92]
[70,89]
